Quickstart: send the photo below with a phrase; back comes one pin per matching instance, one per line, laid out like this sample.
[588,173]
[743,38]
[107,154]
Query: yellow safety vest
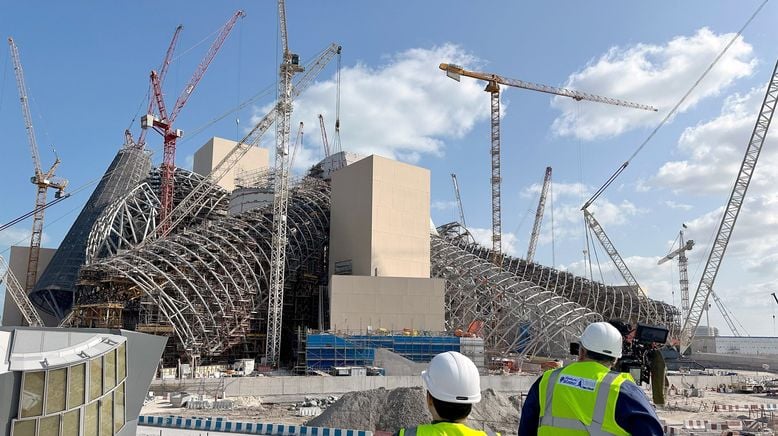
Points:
[580,399]
[444,429]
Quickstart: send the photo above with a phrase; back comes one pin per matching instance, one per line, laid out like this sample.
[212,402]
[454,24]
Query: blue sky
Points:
[87,67]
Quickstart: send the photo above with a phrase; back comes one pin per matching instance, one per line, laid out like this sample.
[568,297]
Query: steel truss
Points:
[519,316]
[608,301]
[205,285]
[129,220]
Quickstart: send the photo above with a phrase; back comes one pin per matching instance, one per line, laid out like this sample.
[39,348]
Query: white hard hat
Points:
[603,338]
[452,377]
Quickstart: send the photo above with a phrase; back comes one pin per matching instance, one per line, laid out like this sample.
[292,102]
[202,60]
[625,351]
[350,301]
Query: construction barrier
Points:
[220,424]
[744,407]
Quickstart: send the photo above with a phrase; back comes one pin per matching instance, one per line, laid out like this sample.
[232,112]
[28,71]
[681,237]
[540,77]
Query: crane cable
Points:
[672,112]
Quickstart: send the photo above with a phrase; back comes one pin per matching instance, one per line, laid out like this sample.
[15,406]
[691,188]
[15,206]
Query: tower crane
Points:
[290,65]
[533,240]
[200,192]
[731,212]
[128,141]
[164,123]
[459,200]
[42,181]
[18,295]
[493,82]
[324,142]
[683,264]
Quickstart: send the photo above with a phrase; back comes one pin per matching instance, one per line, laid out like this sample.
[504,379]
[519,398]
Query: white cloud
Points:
[509,241]
[444,205]
[15,236]
[675,205]
[404,109]
[657,75]
[714,150]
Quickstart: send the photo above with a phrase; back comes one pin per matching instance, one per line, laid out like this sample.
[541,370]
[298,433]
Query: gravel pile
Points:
[390,410]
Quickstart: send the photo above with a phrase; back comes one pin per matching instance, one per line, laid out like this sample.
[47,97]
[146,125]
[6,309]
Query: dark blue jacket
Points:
[633,412]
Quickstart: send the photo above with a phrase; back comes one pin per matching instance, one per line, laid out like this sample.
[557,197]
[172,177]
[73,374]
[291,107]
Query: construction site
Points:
[285,296]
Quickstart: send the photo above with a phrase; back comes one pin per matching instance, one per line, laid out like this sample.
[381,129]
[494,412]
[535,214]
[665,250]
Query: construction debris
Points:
[390,410]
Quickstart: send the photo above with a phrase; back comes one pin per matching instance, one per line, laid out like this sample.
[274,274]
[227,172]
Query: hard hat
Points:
[603,338]
[452,377]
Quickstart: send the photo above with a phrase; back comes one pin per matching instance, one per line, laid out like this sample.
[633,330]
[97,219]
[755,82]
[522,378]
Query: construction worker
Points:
[453,386]
[586,397]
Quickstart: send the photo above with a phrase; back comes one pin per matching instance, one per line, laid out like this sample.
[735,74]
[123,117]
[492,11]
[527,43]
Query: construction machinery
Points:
[493,82]
[42,181]
[128,140]
[533,240]
[164,122]
[731,212]
[324,142]
[618,261]
[18,295]
[683,265]
[290,65]
[459,200]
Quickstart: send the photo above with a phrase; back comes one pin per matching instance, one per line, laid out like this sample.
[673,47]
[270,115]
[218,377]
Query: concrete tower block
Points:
[210,154]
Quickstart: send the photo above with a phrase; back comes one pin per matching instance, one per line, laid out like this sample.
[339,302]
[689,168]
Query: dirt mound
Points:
[380,409]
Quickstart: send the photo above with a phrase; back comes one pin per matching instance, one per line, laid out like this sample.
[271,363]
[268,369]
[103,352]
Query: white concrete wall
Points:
[213,151]
[756,346]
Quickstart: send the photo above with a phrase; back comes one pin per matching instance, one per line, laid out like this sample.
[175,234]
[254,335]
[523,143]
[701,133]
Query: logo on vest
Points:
[578,382]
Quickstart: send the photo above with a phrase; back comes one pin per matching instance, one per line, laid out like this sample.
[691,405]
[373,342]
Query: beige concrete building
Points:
[379,223]
[18,265]
[210,154]
[380,249]
[395,303]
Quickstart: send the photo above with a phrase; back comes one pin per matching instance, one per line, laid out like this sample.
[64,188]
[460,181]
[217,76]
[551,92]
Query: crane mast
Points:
[324,142]
[197,195]
[683,268]
[290,65]
[164,124]
[459,200]
[18,295]
[533,240]
[42,181]
[493,82]
[705,287]
[606,243]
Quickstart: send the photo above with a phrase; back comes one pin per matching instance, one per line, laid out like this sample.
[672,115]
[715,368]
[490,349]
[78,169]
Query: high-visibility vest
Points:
[580,399]
[445,429]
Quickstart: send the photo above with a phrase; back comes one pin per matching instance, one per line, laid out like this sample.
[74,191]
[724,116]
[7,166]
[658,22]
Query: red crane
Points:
[128,141]
[164,123]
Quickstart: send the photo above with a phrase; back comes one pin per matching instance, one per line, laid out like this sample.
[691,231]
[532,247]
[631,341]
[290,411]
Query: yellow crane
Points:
[43,181]
[493,82]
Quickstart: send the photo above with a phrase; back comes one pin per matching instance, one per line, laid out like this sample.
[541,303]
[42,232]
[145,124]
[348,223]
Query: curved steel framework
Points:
[126,222]
[206,285]
[519,316]
[608,301]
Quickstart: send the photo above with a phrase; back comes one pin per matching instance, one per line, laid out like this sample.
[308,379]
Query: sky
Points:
[87,66]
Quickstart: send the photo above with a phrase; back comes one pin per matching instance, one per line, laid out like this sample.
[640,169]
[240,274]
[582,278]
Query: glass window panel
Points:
[55,390]
[95,378]
[70,422]
[121,362]
[32,395]
[106,416]
[76,385]
[109,362]
[118,408]
[24,428]
[49,426]
[90,419]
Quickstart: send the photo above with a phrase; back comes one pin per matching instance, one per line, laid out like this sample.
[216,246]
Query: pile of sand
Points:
[390,410]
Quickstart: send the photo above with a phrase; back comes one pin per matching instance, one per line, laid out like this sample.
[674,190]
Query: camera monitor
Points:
[647,333]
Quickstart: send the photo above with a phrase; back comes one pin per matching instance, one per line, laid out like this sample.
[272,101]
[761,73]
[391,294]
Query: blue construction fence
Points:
[223,425]
[325,350]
